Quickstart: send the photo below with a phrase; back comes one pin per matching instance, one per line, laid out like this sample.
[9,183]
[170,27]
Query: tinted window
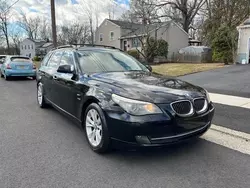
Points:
[108,61]
[67,58]
[55,59]
[20,59]
[45,59]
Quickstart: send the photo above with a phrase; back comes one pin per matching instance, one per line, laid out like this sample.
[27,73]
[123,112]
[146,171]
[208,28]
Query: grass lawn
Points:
[179,69]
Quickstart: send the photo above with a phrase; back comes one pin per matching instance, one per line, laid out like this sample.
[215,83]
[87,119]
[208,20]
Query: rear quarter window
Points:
[46,59]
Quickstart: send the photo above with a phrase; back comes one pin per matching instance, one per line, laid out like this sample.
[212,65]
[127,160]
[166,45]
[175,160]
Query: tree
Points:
[15,37]
[181,11]
[4,21]
[44,30]
[91,11]
[142,11]
[30,25]
[224,17]
[75,33]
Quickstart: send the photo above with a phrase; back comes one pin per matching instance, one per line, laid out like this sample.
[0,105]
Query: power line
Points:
[11,6]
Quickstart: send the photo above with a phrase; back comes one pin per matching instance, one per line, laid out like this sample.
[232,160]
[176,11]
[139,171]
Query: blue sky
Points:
[126,2]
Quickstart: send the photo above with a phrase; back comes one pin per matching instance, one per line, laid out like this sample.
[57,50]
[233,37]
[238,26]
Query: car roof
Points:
[87,47]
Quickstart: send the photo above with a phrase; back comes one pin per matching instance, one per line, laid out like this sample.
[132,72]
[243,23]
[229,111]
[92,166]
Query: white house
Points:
[243,54]
[31,48]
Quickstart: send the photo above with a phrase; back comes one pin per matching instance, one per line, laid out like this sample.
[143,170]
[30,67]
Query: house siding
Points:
[177,39]
[105,28]
[27,52]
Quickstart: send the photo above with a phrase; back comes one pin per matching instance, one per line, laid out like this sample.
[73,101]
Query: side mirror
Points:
[66,69]
[149,68]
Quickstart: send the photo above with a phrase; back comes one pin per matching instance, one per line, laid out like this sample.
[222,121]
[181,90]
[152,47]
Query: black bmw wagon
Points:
[116,99]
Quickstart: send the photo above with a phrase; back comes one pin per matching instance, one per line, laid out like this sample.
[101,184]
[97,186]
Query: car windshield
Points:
[108,61]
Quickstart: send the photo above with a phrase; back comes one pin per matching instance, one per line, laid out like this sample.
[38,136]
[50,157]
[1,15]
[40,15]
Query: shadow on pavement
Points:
[17,78]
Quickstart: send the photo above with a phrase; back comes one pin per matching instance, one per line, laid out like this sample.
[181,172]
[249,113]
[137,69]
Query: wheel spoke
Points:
[89,122]
[92,114]
[98,136]
[91,136]
[98,121]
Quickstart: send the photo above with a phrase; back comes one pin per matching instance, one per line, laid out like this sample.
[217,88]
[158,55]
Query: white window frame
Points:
[101,34]
[111,39]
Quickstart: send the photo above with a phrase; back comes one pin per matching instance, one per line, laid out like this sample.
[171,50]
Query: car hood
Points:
[147,86]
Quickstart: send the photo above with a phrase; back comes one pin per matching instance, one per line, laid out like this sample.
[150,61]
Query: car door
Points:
[66,86]
[49,74]
[42,73]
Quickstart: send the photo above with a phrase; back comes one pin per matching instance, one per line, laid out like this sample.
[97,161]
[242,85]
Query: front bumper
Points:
[11,72]
[156,130]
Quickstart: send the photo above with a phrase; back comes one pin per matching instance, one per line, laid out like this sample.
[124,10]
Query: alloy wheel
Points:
[93,127]
[40,94]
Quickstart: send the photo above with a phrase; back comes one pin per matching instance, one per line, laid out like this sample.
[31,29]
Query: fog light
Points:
[142,139]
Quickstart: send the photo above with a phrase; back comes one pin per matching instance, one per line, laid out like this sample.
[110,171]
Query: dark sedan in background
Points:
[116,99]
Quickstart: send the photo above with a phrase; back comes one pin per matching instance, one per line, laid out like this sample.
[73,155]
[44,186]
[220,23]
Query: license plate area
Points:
[21,67]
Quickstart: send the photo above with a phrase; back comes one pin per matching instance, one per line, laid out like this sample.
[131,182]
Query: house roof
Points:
[37,41]
[246,22]
[137,29]
[47,44]
[125,24]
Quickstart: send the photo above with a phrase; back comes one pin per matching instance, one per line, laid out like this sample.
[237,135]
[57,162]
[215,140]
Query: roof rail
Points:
[64,46]
[96,45]
[85,45]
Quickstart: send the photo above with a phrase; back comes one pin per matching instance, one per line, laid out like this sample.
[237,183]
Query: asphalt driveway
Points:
[231,80]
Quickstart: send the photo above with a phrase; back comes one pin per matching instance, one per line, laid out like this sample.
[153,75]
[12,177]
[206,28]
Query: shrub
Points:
[162,48]
[151,49]
[36,58]
[134,53]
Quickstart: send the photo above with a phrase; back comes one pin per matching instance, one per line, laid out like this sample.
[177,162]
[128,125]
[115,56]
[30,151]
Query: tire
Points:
[1,74]
[100,140]
[6,77]
[40,96]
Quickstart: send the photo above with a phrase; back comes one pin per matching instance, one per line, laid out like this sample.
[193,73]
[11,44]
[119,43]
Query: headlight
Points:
[208,97]
[135,107]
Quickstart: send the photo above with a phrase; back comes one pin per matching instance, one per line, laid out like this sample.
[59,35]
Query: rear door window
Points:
[55,59]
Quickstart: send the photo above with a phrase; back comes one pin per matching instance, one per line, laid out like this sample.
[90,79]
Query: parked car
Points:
[116,99]
[2,58]
[18,66]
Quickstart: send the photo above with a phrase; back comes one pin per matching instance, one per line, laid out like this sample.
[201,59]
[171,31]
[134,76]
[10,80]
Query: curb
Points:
[233,133]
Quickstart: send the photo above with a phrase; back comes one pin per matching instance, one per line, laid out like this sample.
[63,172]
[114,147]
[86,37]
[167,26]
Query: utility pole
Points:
[53,22]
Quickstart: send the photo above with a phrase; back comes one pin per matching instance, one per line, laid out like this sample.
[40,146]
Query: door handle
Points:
[55,78]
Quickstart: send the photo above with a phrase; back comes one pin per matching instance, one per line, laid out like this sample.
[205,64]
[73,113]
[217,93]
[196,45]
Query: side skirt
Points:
[72,117]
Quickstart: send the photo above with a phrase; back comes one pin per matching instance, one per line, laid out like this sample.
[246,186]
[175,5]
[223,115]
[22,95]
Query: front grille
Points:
[200,105]
[183,108]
